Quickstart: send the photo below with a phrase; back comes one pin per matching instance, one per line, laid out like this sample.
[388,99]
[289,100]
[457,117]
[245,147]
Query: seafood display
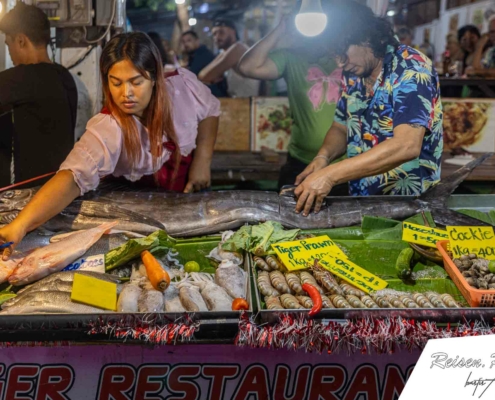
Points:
[212,212]
[297,289]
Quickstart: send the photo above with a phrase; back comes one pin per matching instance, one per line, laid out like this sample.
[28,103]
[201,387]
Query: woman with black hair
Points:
[388,119]
[157,40]
[152,126]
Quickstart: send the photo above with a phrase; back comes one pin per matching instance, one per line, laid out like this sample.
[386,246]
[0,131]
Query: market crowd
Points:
[367,115]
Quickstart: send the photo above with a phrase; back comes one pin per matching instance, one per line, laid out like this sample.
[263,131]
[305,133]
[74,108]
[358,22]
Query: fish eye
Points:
[9,194]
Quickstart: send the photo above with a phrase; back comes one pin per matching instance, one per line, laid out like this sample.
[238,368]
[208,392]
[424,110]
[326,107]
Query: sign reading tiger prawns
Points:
[479,240]
[298,254]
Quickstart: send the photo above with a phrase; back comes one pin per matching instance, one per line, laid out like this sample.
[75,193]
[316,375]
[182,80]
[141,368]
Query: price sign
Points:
[298,254]
[479,240]
[422,235]
[352,273]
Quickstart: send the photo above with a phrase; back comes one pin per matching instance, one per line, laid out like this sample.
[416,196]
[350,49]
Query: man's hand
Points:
[313,190]
[199,176]
[315,165]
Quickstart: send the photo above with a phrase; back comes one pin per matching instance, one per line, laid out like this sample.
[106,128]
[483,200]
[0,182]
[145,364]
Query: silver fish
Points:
[50,303]
[47,260]
[232,278]
[206,213]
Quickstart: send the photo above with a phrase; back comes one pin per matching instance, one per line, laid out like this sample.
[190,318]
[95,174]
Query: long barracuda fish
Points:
[198,214]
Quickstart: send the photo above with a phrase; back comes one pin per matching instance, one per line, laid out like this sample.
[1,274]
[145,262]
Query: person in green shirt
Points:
[313,86]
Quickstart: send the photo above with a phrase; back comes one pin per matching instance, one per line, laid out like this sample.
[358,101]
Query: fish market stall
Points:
[120,277]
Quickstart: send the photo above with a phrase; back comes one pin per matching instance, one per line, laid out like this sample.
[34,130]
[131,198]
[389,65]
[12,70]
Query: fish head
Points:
[12,202]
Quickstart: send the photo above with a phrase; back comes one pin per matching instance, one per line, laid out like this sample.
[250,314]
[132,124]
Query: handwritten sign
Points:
[423,235]
[479,240]
[298,254]
[352,273]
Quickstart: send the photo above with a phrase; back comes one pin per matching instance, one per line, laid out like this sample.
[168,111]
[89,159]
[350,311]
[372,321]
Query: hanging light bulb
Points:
[180,1]
[192,21]
[311,20]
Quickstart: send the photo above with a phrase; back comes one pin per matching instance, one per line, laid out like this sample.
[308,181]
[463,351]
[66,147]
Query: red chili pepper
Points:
[315,297]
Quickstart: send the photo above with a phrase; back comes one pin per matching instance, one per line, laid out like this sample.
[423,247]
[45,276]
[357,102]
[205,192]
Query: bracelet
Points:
[326,158]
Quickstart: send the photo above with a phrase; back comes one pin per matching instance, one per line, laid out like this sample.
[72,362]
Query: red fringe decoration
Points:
[367,335]
[149,331]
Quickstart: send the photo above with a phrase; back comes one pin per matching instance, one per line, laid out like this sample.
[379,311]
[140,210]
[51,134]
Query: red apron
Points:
[165,174]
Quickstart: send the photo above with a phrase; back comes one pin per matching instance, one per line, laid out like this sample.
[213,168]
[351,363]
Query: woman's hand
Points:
[315,165]
[13,232]
[313,190]
[199,176]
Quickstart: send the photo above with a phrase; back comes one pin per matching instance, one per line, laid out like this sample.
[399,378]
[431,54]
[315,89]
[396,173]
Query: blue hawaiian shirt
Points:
[406,92]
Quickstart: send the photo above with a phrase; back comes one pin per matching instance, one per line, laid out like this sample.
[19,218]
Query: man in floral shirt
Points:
[388,119]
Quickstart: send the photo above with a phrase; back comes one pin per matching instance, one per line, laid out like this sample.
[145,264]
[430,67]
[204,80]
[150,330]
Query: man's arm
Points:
[403,147]
[214,71]
[256,63]
[478,53]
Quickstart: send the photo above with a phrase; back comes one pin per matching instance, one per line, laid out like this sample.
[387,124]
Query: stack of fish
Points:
[53,295]
[283,290]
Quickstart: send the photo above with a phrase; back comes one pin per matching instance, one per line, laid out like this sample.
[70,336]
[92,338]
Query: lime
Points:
[491,266]
[191,266]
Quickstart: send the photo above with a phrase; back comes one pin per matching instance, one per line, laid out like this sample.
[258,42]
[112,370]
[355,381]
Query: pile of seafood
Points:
[477,271]
[293,290]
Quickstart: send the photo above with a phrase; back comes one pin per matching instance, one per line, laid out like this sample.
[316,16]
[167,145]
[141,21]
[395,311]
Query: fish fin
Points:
[445,217]
[287,191]
[437,196]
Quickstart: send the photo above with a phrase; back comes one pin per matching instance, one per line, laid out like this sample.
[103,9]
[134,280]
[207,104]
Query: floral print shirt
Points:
[488,60]
[406,92]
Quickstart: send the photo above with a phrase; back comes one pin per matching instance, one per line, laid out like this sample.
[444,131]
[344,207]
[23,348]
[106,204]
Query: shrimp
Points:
[354,301]
[368,302]
[435,299]
[305,301]
[261,264]
[306,277]
[290,302]
[421,300]
[395,302]
[351,290]
[327,303]
[294,282]
[327,280]
[408,302]
[339,301]
[273,263]
[265,285]
[273,303]
[449,301]
[278,281]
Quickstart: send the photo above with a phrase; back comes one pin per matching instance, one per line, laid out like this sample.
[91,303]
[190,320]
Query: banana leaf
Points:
[377,228]
[488,218]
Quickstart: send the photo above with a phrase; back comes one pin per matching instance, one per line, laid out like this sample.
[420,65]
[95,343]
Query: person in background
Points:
[468,37]
[199,56]
[42,93]
[405,36]
[225,64]
[313,85]
[388,119]
[163,128]
[157,40]
[484,55]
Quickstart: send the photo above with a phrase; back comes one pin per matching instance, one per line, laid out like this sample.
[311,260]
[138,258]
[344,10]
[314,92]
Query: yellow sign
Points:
[298,254]
[352,273]
[479,240]
[423,235]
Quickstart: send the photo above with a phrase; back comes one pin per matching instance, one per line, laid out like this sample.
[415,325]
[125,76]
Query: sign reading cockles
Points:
[479,240]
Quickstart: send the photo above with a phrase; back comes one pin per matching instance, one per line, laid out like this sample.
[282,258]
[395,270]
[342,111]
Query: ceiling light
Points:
[311,20]
[192,21]
[391,13]
[180,1]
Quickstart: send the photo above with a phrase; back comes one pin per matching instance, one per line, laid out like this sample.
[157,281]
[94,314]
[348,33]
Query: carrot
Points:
[240,304]
[159,278]
[315,297]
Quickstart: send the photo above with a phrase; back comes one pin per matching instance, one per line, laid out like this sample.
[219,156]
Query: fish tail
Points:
[107,226]
[437,196]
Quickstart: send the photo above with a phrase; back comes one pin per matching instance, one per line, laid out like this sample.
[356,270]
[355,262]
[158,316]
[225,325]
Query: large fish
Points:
[50,302]
[199,214]
[53,258]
